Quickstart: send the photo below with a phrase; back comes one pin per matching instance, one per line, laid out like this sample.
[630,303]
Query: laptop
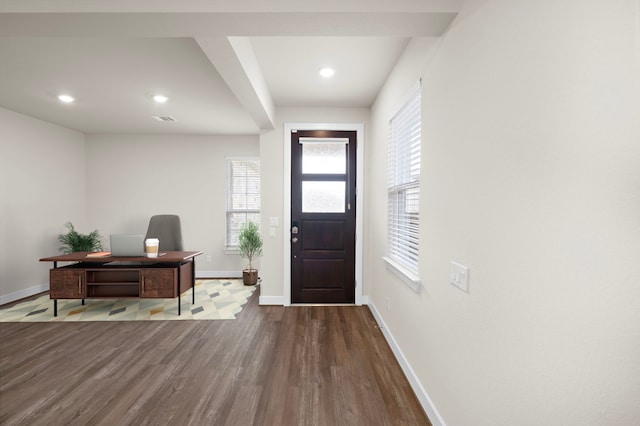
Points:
[127,245]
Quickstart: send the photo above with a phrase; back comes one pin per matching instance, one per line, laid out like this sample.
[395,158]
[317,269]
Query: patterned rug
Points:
[215,299]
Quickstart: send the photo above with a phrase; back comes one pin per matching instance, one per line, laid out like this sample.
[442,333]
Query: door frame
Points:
[359,129]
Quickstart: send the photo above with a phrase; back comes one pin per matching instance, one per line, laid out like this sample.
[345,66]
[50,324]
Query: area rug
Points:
[215,299]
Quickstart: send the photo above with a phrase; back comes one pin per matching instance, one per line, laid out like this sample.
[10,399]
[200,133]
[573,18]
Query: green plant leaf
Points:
[73,241]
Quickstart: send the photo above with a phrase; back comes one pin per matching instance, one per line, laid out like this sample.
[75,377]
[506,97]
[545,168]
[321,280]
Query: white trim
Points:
[359,129]
[21,294]
[421,393]
[218,274]
[406,276]
[271,300]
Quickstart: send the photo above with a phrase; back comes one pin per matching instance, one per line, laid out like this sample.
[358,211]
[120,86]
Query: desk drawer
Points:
[159,283]
[67,283]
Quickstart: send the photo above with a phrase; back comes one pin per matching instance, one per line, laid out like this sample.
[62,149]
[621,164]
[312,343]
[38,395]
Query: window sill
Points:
[230,250]
[406,276]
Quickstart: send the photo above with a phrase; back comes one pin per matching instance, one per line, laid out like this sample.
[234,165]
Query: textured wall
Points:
[133,177]
[41,188]
[531,177]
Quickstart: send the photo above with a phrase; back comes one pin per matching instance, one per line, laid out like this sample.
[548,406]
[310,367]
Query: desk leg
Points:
[179,289]
[193,283]
[55,301]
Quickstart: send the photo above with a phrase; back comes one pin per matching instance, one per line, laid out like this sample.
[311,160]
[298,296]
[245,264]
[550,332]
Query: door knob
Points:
[294,240]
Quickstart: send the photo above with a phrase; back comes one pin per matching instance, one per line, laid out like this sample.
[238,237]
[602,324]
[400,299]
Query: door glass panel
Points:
[323,197]
[328,156]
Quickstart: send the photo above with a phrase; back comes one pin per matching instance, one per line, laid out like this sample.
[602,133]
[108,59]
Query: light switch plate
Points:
[274,221]
[459,276]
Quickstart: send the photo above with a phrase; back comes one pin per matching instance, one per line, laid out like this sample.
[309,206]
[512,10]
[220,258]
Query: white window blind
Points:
[404,183]
[243,196]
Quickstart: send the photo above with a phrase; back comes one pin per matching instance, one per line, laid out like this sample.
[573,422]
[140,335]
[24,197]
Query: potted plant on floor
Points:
[73,241]
[250,246]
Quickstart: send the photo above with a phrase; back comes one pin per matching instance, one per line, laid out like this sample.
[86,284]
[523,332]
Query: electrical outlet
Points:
[208,259]
[388,304]
[459,276]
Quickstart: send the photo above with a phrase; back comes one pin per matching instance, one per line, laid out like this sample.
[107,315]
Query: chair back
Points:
[167,229]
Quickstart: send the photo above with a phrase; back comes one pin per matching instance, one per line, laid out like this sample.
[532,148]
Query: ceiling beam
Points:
[251,24]
[243,6]
[236,63]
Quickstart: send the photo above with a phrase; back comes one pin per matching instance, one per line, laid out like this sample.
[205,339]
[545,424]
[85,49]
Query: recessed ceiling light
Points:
[166,118]
[160,99]
[327,72]
[66,98]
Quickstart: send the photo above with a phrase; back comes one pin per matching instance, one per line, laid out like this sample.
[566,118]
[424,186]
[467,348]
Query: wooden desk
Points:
[107,277]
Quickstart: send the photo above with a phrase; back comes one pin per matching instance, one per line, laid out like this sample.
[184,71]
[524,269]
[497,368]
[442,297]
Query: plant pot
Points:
[250,276]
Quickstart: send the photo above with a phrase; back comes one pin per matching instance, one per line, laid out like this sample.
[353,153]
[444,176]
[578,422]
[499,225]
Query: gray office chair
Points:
[166,228]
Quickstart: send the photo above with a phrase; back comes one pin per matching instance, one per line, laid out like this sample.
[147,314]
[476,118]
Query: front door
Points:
[323,216]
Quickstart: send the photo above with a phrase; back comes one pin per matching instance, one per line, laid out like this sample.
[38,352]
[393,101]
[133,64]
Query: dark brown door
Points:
[323,216]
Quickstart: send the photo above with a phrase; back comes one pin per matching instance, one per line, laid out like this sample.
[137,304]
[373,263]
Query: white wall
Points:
[133,177]
[531,177]
[272,165]
[41,188]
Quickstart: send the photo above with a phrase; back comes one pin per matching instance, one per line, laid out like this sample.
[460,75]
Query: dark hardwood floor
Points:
[272,366]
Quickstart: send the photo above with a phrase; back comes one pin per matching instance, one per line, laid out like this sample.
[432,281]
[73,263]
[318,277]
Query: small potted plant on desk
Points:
[73,241]
[250,246]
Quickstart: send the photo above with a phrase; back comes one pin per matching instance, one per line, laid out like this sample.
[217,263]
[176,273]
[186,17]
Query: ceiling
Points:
[225,65]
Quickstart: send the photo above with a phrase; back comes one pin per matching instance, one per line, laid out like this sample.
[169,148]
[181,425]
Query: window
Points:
[404,190]
[324,156]
[243,196]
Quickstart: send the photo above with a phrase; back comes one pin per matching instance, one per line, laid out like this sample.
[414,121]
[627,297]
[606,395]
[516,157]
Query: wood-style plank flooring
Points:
[298,365]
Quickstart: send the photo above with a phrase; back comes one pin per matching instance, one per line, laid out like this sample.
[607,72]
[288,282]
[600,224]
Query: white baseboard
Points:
[271,300]
[27,292]
[421,393]
[218,274]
